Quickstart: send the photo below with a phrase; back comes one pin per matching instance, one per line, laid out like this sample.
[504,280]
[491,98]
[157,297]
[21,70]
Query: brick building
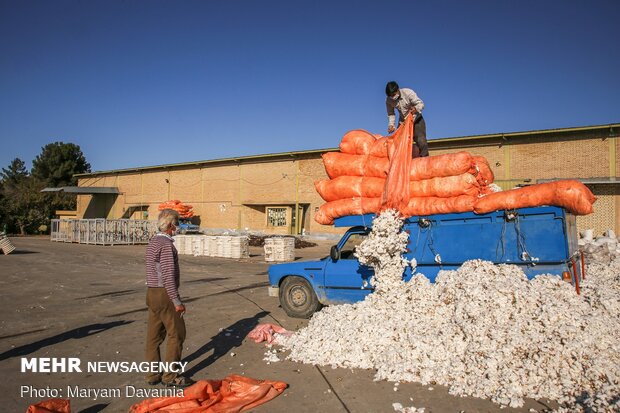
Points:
[275,192]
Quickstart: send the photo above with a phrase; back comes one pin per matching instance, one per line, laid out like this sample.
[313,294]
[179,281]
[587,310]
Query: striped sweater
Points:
[162,266]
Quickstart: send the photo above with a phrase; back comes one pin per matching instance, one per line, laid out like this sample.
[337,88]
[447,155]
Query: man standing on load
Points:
[407,101]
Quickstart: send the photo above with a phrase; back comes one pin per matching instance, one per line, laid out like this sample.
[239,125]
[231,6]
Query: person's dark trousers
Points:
[420,149]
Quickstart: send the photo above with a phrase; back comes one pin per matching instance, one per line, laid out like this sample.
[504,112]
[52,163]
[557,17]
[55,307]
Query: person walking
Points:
[407,101]
[165,308]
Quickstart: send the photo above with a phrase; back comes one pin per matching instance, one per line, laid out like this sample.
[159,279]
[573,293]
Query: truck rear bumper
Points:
[273,291]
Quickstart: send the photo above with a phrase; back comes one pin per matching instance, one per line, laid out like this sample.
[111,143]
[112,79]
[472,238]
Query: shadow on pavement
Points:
[95,408]
[22,334]
[206,279]
[76,333]
[236,290]
[111,293]
[19,252]
[227,339]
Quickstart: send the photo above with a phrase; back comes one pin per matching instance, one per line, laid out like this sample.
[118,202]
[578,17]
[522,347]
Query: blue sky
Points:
[138,83]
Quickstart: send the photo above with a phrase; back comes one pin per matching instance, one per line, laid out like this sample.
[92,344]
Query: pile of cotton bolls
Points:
[602,249]
[483,330]
[411,409]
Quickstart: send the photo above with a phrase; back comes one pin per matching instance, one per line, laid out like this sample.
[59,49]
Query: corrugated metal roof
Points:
[293,154]
[588,181]
[84,190]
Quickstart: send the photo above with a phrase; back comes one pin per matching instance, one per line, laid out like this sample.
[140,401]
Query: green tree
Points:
[58,162]
[54,167]
[15,173]
[22,204]
[3,217]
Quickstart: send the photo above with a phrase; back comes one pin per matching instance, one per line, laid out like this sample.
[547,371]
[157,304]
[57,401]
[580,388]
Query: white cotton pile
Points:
[483,330]
[411,409]
[271,356]
[602,249]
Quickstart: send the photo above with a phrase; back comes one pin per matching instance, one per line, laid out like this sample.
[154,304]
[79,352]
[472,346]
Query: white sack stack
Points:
[483,330]
[223,246]
[279,249]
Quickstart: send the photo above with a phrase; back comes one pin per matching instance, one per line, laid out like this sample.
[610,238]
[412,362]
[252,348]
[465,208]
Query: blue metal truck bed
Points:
[539,240]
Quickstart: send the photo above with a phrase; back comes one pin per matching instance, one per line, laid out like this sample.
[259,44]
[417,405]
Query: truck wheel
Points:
[298,298]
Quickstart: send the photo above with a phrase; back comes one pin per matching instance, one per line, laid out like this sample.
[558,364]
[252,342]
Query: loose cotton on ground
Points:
[483,330]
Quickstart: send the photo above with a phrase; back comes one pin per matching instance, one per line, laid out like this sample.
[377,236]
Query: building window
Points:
[276,217]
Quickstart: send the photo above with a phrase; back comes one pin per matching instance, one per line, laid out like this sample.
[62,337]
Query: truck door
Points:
[346,280]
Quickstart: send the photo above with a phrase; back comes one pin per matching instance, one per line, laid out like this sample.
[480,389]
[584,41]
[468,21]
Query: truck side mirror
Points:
[334,253]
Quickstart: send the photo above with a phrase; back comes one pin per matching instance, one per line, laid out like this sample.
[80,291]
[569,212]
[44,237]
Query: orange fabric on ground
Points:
[51,406]
[266,332]
[232,394]
[569,194]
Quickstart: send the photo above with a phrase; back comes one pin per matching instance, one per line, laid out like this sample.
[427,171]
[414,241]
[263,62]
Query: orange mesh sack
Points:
[344,187]
[485,174]
[184,210]
[486,190]
[445,187]
[357,142]
[432,205]
[342,207]
[370,187]
[442,165]
[383,147]
[569,194]
[342,164]
[361,142]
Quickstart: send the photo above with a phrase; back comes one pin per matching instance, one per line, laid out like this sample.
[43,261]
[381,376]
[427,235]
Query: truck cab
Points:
[541,240]
[187,227]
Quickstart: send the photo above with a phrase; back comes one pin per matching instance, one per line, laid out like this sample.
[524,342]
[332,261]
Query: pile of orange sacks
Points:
[449,183]
[184,210]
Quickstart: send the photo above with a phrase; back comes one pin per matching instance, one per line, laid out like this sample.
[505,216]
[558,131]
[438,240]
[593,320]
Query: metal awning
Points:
[272,203]
[85,190]
[587,181]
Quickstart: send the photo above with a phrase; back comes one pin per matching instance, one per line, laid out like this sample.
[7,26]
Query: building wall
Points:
[587,158]
[235,195]
[605,210]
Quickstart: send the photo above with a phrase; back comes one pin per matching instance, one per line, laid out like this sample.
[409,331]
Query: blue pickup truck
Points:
[541,240]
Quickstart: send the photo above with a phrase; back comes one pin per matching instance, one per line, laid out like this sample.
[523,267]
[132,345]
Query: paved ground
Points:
[68,300]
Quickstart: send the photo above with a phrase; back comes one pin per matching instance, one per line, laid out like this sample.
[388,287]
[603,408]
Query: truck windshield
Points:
[346,252]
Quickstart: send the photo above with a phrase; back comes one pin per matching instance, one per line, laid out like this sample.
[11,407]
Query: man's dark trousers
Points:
[420,148]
